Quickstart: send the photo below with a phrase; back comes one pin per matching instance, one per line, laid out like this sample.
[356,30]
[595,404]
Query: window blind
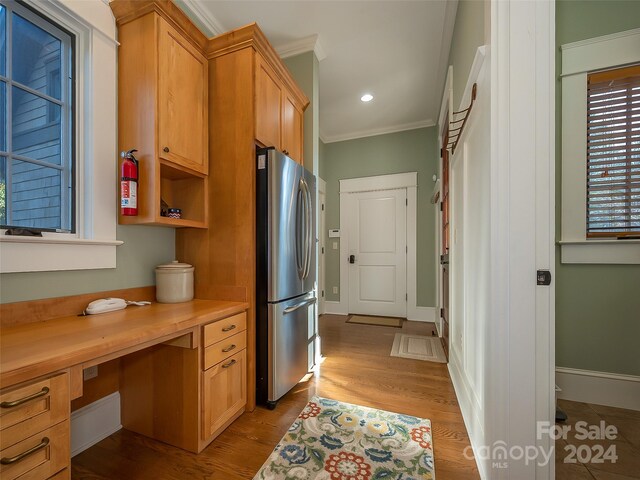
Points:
[613,152]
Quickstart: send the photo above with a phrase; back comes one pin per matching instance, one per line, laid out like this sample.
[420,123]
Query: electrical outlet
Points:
[335,289]
[89,373]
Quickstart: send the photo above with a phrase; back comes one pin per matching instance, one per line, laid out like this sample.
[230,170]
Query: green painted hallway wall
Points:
[408,151]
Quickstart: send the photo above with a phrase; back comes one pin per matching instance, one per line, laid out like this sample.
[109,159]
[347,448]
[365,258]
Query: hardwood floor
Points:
[357,369]
[626,443]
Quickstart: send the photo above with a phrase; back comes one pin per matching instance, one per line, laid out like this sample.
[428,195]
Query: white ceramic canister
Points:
[174,282]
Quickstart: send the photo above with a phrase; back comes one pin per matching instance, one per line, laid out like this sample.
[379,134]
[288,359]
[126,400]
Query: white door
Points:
[377,223]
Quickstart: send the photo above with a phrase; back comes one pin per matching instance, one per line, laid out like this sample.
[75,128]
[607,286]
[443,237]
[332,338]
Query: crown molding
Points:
[306,44]
[212,26]
[376,131]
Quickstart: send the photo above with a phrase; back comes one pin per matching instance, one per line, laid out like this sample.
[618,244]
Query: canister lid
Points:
[175,266]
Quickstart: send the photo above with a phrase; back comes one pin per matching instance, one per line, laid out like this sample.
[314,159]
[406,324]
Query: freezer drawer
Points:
[288,339]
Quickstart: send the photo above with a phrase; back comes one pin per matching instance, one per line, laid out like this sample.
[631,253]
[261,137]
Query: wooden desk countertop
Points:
[35,349]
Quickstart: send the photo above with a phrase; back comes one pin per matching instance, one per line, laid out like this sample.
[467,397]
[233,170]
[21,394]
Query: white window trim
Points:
[578,59]
[94,244]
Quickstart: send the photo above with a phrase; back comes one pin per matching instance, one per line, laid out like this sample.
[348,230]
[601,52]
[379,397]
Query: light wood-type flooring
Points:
[626,444]
[357,369]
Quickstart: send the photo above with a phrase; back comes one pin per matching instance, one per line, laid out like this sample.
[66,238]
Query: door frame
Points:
[322,236]
[384,182]
[446,107]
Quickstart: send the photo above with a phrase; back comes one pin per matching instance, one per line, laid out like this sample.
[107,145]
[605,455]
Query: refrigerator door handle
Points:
[295,307]
[307,229]
[300,259]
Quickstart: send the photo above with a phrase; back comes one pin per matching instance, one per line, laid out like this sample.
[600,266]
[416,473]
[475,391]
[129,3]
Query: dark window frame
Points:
[68,160]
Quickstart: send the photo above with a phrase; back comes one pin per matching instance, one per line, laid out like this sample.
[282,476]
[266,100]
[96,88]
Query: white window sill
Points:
[38,254]
[624,252]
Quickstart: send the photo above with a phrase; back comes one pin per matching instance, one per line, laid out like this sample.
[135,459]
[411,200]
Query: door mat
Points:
[341,441]
[418,347]
[380,321]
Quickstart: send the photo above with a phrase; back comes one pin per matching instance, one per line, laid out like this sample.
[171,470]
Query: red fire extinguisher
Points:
[129,184]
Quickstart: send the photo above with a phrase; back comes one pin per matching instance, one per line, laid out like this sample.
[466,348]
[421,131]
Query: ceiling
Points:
[396,50]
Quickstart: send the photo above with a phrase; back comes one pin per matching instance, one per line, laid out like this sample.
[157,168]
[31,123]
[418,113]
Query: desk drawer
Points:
[214,332]
[29,409]
[39,456]
[224,349]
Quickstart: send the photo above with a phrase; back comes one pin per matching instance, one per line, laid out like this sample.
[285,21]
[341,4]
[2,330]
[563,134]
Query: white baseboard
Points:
[422,314]
[95,422]
[333,308]
[438,323]
[470,415]
[601,388]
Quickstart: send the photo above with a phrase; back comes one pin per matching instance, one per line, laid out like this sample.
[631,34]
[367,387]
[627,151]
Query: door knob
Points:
[352,259]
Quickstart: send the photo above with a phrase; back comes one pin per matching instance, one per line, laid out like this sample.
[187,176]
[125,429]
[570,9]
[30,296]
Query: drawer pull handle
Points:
[227,365]
[229,328]
[26,453]
[229,348]
[20,401]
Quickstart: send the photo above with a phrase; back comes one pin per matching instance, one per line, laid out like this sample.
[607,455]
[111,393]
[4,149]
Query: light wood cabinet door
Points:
[224,392]
[268,105]
[182,100]
[292,133]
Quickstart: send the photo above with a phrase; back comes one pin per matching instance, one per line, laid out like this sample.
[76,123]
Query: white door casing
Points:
[322,189]
[409,182]
[377,240]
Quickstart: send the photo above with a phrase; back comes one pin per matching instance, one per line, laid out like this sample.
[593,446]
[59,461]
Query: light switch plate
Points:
[335,289]
[335,245]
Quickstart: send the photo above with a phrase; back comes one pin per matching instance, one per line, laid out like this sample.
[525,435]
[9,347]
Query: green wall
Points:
[305,70]
[468,35]
[143,249]
[409,151]
[597,306]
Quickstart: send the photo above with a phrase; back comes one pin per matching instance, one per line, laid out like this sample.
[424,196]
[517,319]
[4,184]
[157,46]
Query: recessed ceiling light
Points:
[367,97]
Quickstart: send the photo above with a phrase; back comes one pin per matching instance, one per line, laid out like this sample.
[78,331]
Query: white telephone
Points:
[103,305]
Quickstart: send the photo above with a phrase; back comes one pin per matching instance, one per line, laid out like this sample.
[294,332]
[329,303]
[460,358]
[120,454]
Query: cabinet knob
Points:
[166,149]
[285,152]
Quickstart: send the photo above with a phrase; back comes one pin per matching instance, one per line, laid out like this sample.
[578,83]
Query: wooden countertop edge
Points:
[138,336]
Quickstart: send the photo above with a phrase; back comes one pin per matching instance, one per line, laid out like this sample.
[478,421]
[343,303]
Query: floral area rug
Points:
[332,440]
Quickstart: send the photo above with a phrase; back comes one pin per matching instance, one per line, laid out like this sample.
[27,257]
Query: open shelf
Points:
[179,188]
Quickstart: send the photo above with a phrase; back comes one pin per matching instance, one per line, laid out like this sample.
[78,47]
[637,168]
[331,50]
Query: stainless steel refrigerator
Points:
[285,297]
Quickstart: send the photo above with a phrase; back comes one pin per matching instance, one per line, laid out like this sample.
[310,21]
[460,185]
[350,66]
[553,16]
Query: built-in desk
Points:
[169,390]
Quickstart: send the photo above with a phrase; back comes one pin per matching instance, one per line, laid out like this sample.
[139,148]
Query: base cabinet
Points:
[168,392]
[34,429]
[224,392]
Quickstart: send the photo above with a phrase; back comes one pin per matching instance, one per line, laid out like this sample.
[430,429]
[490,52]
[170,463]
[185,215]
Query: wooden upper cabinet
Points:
[182,100]
[292,132]
[278,115]
[163,90]
[268,105]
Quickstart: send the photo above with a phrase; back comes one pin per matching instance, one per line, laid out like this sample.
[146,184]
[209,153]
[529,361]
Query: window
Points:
[600,189]
[613,152]
[36,144]
[87,114]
